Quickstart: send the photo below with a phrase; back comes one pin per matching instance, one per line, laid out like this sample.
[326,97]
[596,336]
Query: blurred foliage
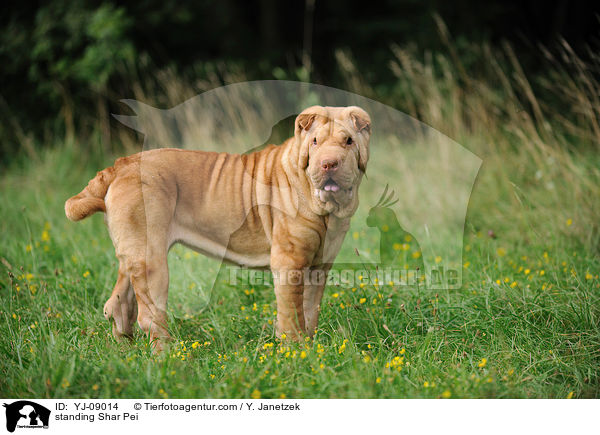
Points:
[66,64]
[71,43]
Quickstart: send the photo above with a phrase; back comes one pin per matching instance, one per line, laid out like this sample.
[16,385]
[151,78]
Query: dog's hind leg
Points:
[138,216]
[150,279]
[121,307]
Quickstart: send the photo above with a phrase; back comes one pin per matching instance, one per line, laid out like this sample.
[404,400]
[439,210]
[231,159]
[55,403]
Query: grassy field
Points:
[525,324]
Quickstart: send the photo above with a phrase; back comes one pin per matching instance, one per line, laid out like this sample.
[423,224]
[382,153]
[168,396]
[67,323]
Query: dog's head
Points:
[332,150]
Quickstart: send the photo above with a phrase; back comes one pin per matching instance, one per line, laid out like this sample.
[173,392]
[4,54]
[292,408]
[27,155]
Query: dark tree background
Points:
[61,54]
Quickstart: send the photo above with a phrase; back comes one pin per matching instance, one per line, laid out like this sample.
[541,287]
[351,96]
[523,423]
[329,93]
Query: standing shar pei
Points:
[286,207]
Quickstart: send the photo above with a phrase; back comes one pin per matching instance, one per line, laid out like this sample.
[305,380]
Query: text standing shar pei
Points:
[285,207]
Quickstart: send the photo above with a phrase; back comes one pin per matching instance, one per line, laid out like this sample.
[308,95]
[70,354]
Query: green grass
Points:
[524,324]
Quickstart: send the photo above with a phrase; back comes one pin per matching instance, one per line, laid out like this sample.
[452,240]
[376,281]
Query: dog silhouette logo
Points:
[26,414]
[432,174]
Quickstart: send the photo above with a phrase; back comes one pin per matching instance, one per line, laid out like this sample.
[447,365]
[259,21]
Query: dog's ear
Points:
[361,121]
[304,122]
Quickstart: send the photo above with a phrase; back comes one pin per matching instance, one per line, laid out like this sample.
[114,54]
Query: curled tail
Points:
[91,199]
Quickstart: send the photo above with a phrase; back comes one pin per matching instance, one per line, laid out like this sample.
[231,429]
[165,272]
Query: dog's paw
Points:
[290,335]
[121,316]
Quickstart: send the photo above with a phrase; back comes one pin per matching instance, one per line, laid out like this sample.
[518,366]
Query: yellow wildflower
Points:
[342,348]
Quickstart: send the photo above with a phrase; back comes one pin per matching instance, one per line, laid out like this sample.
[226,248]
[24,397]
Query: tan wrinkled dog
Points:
[285,207]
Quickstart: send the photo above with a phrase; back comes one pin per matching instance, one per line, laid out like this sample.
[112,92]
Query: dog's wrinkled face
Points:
[334,150]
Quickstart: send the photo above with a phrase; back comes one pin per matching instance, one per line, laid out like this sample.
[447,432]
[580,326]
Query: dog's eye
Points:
[315,141]
[349,141]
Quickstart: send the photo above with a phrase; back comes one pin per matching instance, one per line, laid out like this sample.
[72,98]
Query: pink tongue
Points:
[332,187]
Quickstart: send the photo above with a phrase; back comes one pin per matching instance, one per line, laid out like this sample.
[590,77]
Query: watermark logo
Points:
[413,200]
[25,414]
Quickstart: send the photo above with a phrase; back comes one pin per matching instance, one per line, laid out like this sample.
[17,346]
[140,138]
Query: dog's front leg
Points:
[313,293]
[291,253]
[289,289]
